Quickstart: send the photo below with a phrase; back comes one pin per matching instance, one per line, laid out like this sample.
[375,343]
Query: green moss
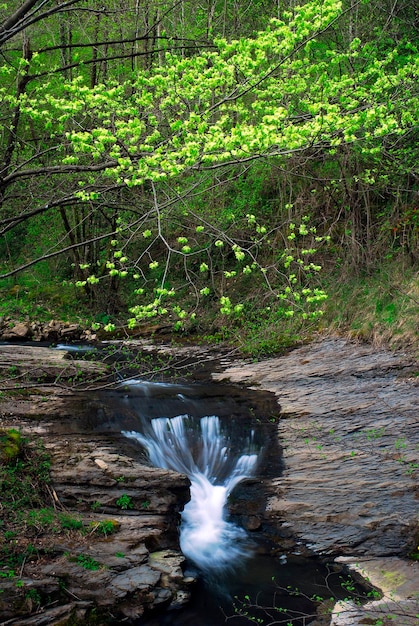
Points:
[10,445]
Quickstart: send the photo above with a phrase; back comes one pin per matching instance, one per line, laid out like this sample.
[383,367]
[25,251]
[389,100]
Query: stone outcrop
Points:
[350,433]
[134,563]
[127,559]
[350,436]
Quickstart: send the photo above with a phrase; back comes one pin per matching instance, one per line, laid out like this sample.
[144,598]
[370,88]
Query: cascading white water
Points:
[202,452]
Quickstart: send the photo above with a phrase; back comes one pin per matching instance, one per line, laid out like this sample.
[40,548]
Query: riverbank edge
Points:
[298,381]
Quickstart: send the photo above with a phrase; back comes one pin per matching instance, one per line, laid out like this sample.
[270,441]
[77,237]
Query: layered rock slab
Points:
[350,436]
[350,432]
[127,560]
[397,580]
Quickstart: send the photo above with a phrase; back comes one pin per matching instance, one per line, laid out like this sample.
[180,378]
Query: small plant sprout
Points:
[125,502]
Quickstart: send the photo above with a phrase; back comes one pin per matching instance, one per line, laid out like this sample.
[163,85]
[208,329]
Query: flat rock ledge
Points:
[397,580]
[34,366]
[136,567]
[350,433]
[127,561]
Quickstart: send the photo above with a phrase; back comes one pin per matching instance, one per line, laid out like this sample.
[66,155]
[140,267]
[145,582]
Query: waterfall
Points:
[200,449]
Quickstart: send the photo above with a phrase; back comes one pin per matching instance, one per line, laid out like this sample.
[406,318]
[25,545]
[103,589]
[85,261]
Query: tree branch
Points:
[20,20]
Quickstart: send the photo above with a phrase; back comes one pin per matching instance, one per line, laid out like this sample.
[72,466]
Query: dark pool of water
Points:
[267,589]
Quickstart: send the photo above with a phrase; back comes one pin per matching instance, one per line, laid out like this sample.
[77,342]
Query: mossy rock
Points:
[11,442]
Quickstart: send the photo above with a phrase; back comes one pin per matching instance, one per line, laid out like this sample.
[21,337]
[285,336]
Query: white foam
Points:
[207,538]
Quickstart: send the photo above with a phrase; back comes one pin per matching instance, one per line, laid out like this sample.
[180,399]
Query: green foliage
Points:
[24,473]
[105,527]
[69,522]
[11,442]
[124,502]
[167,182]
[43,519]
[33,596]
[47,519]
[30,298]
[24,497]
[87,562]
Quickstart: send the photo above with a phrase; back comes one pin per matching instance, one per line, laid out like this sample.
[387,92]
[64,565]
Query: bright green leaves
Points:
[189,111]
[299,296]
[277,93]
[227,308]
[238,252]
[175,122]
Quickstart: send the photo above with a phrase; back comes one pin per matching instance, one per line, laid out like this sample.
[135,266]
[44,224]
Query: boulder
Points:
[19,332]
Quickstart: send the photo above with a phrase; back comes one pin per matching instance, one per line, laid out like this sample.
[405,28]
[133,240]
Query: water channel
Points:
[224,439]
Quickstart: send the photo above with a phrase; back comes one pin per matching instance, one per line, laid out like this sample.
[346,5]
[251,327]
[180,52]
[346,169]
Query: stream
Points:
[217,436]
[267,531]
[243,564]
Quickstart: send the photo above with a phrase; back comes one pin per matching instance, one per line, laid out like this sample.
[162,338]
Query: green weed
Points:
[87,562]
[69,522]
[105,527]
[125,502]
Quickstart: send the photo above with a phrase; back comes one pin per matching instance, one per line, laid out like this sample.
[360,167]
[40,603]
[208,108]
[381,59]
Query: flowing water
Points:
[224,438]
[202,451]
[220,453]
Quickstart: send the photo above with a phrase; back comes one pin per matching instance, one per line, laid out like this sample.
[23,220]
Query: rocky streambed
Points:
[133,562]
[348,487]
[349,429]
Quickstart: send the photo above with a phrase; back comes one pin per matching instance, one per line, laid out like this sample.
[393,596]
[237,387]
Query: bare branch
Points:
[21,19]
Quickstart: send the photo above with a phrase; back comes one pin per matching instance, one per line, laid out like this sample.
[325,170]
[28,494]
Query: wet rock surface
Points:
[350,432]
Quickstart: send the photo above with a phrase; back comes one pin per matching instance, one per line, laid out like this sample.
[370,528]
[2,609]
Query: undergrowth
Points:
[27,505]
[24,492]
[379,305]
[29,298]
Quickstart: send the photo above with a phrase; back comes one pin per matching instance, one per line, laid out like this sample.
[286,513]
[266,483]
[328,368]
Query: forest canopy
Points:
[159,157]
